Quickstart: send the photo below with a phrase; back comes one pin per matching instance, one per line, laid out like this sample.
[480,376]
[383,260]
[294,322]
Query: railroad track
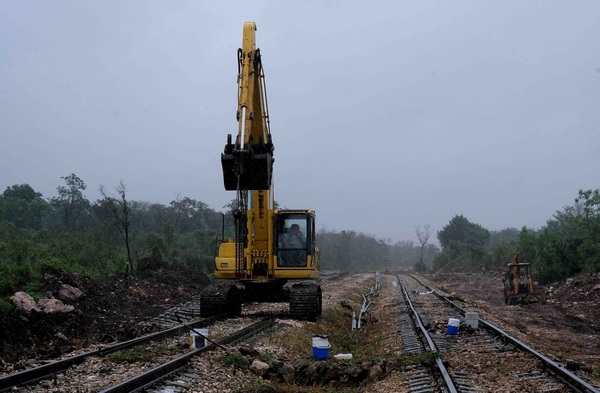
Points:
[169,349]
[175,372]
[474,360]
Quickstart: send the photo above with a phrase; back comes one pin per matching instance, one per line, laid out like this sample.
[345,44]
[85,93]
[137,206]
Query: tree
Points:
[504,236]
[464,245]
[121,215]
[589,250]
[423,235]
[74,206]
[461,231]
[23,206]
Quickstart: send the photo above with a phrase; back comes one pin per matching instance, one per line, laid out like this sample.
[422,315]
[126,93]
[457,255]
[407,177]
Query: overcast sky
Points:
[384,114]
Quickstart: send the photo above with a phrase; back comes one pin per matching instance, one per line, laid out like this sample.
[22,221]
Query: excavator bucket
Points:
[253,166]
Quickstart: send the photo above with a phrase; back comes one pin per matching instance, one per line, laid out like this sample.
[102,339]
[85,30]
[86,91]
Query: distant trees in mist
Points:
[567,245]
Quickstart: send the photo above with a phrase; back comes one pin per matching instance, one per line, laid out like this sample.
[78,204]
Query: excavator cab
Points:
[295,239]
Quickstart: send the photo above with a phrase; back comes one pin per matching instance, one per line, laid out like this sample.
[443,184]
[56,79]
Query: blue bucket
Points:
[453,325]
[320,347]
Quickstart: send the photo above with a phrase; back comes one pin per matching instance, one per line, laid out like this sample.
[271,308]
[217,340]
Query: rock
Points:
[346,304]
[248,351]
[291,322]
[288,373]
[375,372]
[61,336]
[69,293]
[596,287]
[573,366]
[354,371]
[24,303]
[275,364]
[259,368]
[53,306]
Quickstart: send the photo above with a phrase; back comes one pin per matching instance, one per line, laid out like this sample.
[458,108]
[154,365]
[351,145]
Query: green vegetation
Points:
[569,243]
[116,235]
[402,362]
[98,238]
[5,305]
[137,354]
[235,359]
[261,386]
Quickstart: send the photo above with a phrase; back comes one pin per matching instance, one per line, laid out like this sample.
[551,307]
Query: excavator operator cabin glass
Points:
[292,243]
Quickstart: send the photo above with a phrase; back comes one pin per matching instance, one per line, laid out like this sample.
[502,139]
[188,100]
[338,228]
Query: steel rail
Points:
[451,388]
[48,370]
[163,371]
[556,368]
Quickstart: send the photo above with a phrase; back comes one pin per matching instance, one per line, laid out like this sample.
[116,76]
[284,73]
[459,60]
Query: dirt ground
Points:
[563,322]
[109,310]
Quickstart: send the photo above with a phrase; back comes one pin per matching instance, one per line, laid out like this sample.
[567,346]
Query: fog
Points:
[385,115]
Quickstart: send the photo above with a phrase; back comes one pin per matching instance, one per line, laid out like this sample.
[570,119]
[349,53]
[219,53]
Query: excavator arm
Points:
[248,161]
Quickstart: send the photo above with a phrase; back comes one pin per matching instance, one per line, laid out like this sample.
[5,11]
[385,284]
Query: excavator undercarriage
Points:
[304,298]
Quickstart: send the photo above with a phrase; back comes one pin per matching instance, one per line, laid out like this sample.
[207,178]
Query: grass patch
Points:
[137,354]
[5,305]
[401,362]
[235,359]
[260,386]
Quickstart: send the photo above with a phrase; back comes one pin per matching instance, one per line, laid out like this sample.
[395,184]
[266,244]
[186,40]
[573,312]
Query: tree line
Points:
[113,233]
[349,250]
[569,243]
[98,238]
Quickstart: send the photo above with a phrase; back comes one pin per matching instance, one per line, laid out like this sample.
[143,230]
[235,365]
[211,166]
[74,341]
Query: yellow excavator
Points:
[274,256]
[518,283]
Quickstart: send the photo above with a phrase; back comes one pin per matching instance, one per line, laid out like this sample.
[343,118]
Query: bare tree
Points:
[423,234]
[120,210]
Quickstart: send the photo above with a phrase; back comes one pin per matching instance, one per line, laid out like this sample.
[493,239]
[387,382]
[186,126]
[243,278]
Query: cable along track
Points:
[487,358]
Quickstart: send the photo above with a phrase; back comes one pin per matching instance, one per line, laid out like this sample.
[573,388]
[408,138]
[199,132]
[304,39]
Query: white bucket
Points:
[453,325]
[472,319]
[320,347]
[198,340]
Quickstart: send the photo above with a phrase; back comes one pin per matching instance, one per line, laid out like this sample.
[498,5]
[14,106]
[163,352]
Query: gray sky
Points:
[385,114]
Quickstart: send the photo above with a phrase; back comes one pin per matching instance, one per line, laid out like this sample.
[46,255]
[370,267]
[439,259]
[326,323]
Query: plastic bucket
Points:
[320,347]
[472,319]
[453,326]
[199,341]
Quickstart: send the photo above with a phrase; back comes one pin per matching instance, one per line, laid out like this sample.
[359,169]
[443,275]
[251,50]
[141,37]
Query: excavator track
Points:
[305,301]
[218,299]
